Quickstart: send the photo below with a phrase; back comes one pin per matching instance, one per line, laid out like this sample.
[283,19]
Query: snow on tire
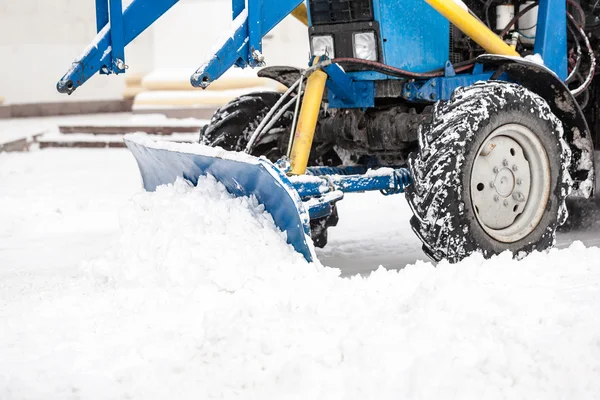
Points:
[469,193]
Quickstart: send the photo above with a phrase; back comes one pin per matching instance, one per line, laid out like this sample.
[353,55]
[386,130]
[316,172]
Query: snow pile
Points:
[185,235]
[201,298]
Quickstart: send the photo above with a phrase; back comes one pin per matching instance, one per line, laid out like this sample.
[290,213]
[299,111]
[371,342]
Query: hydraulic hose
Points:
[393,71]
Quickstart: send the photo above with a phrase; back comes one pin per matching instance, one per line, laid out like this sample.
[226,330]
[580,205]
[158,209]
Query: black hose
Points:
[575,69]
[590,53]
[580,12]
[396,72]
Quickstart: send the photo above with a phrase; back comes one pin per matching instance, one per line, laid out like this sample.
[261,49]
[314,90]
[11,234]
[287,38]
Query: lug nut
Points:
[496,198]
[519,181]
[492,184]
[505,203]
[505,163]
[515,168]
[496,170]
[518,196]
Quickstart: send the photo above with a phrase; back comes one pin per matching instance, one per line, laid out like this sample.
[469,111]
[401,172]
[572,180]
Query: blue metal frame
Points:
[100,55]
[407,24]
[442,88]
[345,92]
[551,36]
[244,45]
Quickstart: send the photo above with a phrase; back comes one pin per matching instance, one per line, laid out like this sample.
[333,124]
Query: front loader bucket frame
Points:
[116,29]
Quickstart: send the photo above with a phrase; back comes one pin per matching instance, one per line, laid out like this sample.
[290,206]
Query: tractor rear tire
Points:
[232,125]
[491,174]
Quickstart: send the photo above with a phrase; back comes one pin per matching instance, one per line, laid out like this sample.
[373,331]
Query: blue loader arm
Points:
[253,19]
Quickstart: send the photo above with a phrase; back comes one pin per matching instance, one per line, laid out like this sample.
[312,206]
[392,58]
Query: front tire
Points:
[491,174]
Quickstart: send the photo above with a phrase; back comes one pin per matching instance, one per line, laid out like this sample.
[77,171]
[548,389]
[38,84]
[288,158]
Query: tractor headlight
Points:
[365,46]
[323,45]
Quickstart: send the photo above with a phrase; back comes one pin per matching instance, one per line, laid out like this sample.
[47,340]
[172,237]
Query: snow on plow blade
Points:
[162,163]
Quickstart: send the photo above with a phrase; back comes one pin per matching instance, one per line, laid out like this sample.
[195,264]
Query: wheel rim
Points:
[510,183]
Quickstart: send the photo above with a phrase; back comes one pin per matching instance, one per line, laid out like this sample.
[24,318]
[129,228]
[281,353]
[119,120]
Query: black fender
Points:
[551,88]
[287,76]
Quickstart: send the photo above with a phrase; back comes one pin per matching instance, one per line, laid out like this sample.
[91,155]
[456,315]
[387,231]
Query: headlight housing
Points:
[322,45]
[365,45]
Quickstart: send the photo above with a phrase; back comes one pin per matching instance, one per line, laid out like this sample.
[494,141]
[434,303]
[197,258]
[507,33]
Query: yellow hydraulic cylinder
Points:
[472,27]
[301,14]
[307,122]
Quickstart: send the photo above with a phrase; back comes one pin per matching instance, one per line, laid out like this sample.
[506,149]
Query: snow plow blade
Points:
[162,163]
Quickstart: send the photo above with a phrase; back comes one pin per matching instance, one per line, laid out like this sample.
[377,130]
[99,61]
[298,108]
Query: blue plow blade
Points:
[241,175]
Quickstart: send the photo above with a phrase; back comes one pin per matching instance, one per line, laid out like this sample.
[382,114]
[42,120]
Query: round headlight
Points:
[365,46]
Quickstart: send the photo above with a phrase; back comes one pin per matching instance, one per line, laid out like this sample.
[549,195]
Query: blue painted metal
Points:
[261,179]
[237,6]
[101,14]
[319,209]
[551,36]
[255,34]
[389,180]
[137,17]
[440,88]
[345,170]
[117,40]
[414,36]
[238,49]
[344,92]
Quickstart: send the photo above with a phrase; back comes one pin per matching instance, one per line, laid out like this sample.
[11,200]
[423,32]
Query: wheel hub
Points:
[503,181]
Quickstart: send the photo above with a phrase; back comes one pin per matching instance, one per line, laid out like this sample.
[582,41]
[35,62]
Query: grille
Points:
[340,11]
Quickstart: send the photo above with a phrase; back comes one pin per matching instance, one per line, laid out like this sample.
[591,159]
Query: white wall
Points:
[38,41]
[187,35]
[40,38]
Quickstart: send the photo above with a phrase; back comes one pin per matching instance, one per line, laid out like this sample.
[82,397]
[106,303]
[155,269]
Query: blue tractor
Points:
[484,112]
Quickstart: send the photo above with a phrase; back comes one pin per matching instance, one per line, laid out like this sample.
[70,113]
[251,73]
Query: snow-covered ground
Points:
[108,292]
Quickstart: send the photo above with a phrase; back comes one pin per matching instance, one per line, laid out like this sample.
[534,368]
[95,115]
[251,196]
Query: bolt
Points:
[505,203]
[492,184]
[515,168]
[432,96]
[496,170]
[518,196]
[433,84]
[519,181]
[505,163]
[120,64]
[496,198]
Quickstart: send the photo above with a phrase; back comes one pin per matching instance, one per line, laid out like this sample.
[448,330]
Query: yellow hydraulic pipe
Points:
[472,27]
[301,14]
[307,121]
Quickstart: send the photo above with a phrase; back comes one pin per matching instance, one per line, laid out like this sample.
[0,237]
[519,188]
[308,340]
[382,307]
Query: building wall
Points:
[40,38]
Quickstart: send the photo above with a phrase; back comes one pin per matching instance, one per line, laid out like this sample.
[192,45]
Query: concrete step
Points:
[86,140]
[124,129]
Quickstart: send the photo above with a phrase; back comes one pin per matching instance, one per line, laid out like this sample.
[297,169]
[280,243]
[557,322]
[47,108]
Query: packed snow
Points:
[110,292]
